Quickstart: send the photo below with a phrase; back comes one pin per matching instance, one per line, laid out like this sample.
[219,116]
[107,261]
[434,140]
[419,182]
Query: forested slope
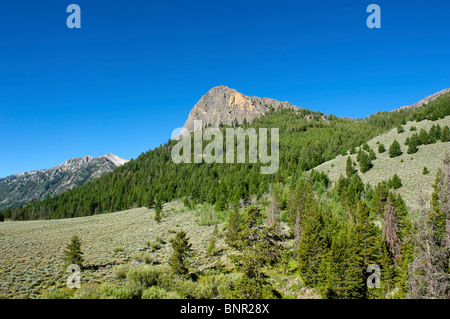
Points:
[307,139]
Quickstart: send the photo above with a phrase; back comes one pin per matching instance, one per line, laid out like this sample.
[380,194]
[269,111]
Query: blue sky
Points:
[134,70]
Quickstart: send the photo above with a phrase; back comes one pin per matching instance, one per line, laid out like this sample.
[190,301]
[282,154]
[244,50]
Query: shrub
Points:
[145,276]
[413,128]
[148,259]
[111,291]
[155,292]
[87,293]
[120,271]
[118,249]
[425,171]
[56,294]
[155,246]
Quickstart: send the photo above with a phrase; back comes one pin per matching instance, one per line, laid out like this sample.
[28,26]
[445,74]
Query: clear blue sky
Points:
[134,70]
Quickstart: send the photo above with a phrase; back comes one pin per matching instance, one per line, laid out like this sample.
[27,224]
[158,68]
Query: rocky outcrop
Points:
[222,105]
[426,100]
[19,189]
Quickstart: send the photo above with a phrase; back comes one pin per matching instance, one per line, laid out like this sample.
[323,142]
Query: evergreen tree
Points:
[381,148]
[312,245]
[233,229]
[212,246]
[158,210]
[438,214]
[366,147]
[73,253]
[423,136]
[396,181]
[372,155]
[150,200]
[413,142]
[182,250]
[350,169]
[379,199]
[365,163]
[395,149]
[400,129]
[366,245]
[445,134]
[260,247]
[339,273]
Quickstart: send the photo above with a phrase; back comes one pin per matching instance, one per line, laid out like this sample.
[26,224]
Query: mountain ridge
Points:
[21,188]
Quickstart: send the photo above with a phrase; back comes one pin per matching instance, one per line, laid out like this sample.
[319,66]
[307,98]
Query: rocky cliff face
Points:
[19,189]
[224,105]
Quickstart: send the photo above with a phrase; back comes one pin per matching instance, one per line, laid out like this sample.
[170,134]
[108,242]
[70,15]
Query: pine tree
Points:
[445,134]
[396,181]
[413,142]
[312,245]
[260,247]
[350,169]
[395,149]
[182,250]
[372,155]
[365,163]
[366,147]
[158,210]
[438,198]
[379,199]
[381,148]
[212,246]
[233,229]
[150,200]
[366,245]
[423,136]
[73,253]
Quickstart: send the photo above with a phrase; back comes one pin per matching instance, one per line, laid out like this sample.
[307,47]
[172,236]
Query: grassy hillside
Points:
[112,243]
[409,167]
[31,259]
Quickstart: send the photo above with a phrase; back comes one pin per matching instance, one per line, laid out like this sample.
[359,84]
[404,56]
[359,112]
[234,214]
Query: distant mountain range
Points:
[19,189]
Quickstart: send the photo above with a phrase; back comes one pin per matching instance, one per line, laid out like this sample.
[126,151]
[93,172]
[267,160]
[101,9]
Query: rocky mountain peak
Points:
[222,104]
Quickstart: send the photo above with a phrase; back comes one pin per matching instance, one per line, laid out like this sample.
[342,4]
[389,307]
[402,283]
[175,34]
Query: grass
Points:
[409,167]
[31,251]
